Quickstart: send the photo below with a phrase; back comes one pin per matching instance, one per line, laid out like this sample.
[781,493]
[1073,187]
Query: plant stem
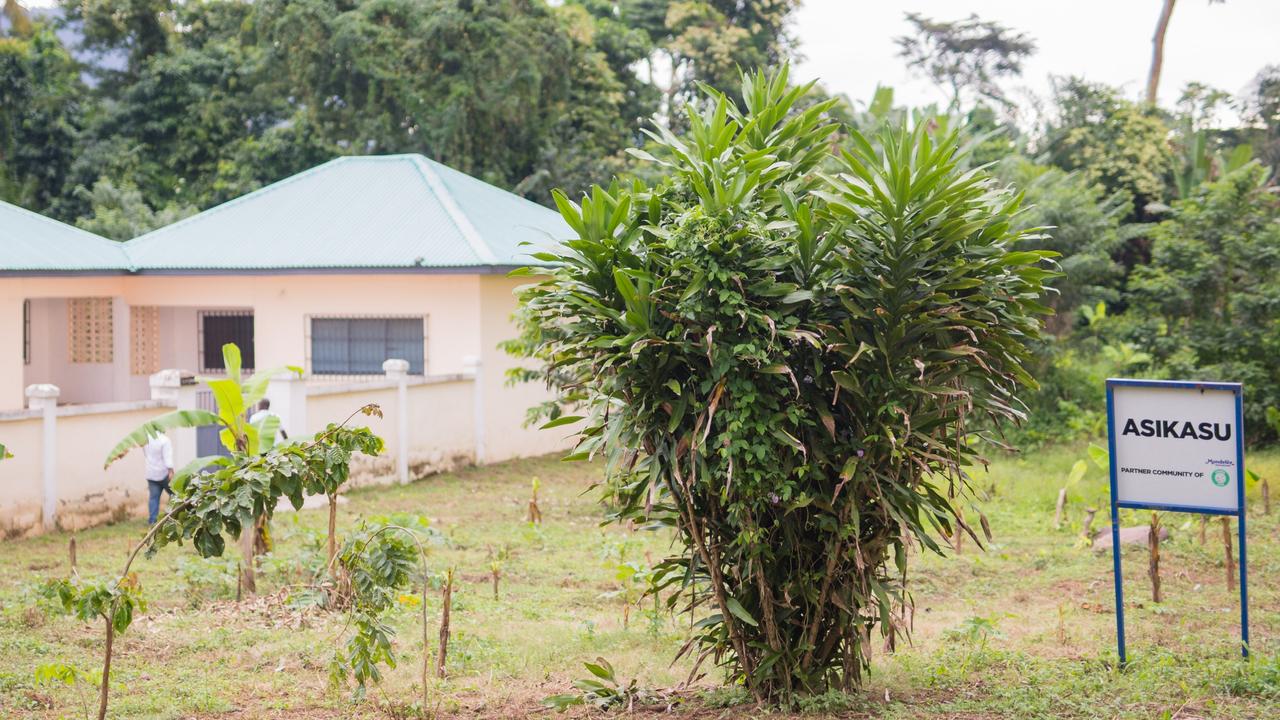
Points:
[111,630]
[106,667]
[333,521]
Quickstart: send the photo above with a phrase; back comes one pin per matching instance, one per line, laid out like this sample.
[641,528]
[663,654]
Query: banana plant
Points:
[235,396]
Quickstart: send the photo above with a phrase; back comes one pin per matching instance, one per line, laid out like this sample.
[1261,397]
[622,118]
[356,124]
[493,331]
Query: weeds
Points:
[604,691]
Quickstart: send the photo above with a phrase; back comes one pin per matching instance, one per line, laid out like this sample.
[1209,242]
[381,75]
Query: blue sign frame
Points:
[1239,513]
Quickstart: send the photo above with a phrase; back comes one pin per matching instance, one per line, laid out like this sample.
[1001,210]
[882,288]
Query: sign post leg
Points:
[1244,589]
[1115,523]
[1240,524]
[1119,583]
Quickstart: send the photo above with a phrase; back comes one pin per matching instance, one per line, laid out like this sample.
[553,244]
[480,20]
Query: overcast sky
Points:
[849,44]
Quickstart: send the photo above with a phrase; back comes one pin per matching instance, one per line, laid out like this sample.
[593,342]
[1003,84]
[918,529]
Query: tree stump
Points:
[1088,523]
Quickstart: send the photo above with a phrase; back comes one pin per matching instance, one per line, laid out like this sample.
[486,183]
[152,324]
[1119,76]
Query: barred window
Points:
[26,332]
[359,346]
[219,327]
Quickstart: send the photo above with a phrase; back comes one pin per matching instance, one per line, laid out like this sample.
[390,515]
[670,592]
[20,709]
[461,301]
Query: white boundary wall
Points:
[430,424]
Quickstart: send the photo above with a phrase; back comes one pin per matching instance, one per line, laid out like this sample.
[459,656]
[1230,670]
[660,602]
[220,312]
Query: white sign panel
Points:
[1176,445]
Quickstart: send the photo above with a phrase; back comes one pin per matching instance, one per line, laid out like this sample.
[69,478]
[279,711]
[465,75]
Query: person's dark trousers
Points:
[155,487]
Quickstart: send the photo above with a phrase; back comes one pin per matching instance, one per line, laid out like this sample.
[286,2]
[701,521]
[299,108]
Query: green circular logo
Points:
[1220,478]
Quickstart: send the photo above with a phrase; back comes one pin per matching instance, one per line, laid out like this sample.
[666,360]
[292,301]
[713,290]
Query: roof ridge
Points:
[455,212]
[264,190]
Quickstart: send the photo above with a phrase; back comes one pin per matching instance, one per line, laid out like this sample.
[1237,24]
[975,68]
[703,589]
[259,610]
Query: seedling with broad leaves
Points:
[217,497]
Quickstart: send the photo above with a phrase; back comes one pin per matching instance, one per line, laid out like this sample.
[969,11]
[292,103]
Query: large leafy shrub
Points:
[787,366]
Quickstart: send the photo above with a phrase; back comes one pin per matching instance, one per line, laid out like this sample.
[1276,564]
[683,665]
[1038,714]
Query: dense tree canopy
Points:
[40,111]
[191,104]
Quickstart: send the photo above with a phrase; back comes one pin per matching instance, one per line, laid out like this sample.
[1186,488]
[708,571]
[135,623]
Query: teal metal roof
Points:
[30,242]
[353,213]
[388,211]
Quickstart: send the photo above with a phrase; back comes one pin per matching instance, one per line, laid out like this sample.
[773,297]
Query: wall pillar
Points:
[475,367]
[44,397]
[288,395]
[398,370]
[121,335]
[178,388]
[12,368]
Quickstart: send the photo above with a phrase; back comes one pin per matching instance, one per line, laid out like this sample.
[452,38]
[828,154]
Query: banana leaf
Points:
[159,426]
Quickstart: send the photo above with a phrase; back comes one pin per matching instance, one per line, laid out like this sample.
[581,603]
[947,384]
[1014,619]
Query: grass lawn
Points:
[1025,629]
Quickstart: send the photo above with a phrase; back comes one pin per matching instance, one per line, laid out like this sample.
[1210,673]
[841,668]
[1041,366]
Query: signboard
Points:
[1179,447]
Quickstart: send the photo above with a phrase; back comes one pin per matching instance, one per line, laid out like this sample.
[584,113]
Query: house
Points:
[336,269]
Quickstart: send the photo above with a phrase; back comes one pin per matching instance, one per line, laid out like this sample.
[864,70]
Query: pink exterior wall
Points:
[281,305]
[467,315]
[505,434]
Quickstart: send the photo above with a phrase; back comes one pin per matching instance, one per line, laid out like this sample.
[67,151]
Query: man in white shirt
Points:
[264,412]
[158,453]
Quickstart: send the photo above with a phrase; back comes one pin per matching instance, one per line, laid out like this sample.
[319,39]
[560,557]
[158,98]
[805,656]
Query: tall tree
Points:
[971,55]
[140,29]
[17,21]
[1260,108]
[709,41]
[1157,48]
[1117,144]
[1207,302]
[40,116]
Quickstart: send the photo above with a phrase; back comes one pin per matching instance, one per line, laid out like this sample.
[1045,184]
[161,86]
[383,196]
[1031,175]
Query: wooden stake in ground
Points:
[445,606]
[1266,497]
[248,538]
[1226,544]
[1153,569]
[957,533]
[1057,514]
[1088,523]
[495,569]
[71,553]
[1204,523]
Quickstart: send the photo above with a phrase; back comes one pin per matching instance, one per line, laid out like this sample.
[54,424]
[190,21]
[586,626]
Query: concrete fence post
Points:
[177,388]
[44,397]
[398,370]
[288,395]
[475,368]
